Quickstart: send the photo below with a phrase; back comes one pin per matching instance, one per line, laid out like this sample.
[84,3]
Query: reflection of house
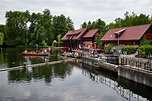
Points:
[128,35]
[85,37]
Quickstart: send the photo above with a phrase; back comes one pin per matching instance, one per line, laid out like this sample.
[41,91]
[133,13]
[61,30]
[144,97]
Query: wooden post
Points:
[25,64]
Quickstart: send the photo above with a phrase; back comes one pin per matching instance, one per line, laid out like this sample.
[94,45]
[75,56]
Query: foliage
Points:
[61,25]
[98,24]
[59,39]
[130,20]
[148,50]
[16,24]
[3,31]
[145,50]
[128,49]
[43,43]
[57,44]
[107,48]
[144,41]
[98,41]
[1,38]
[25,28]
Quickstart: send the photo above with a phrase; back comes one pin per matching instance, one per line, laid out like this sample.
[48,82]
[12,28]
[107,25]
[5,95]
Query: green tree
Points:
[98,41]
[16,23]
[3,30]
[1,38]
[144,41]
[98,24]
[59,39]
[41,28]
[84,25]
[61,25]
[132,20]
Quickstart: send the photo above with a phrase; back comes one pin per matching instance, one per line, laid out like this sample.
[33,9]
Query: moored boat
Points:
[33,53]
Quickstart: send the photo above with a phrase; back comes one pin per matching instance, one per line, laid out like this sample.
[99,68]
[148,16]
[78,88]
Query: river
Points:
[63,82]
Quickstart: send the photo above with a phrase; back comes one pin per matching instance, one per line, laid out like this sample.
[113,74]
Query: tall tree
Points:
[16,23]
[3,30]
[98,24]
[132,20]
[24,28]
[1,38]
[47,23]
[61,25]
[84,25]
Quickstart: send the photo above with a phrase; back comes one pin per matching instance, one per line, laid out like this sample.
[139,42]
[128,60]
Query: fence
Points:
[137,63]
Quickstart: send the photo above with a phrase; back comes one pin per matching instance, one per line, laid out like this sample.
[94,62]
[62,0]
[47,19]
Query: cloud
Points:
[79,10]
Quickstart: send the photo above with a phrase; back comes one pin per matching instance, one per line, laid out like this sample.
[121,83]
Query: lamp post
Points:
[117,36]
[118,39]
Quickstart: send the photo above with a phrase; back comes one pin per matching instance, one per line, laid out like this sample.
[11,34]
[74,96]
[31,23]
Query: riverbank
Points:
[129,67]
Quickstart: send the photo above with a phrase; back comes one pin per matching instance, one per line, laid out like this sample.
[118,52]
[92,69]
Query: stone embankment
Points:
[129,67]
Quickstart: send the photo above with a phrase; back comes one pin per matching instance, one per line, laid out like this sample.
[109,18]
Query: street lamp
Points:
[117,36]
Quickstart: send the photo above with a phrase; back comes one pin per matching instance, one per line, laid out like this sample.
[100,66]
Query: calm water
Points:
[63,82]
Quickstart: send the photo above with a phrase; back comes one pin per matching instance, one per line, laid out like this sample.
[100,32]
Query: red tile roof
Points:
[128,33]
[90,33]
[74,34]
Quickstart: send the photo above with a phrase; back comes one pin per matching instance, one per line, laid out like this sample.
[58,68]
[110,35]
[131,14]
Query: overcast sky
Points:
[79,10]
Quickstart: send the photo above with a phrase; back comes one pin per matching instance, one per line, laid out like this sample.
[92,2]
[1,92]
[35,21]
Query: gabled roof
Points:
[74,34]
[127,33]
[90,33]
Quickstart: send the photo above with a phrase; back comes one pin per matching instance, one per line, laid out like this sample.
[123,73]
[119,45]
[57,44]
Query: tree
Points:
[144,41]
[3,30]
[98,41]
[59,39]
[24,28]
[1,38]
[61,25]
[98,24]
[41,28]
[84,25]
[132,20]
[16,23]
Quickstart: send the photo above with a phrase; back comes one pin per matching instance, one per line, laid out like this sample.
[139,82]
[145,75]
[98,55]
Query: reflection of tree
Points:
[1,58]
[13,56]
[43,72]
[62,71]
[19,75]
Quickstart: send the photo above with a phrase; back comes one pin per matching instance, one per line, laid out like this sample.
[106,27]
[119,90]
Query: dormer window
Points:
[119,33]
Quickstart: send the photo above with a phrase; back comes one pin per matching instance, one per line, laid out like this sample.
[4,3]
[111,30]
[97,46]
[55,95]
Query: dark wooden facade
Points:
[81,37]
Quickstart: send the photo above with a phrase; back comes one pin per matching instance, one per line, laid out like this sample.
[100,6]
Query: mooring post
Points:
[25,64]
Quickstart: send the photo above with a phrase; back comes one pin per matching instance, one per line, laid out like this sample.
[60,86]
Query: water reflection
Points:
[44,72]
[62,82]
[122,86]
[11,57]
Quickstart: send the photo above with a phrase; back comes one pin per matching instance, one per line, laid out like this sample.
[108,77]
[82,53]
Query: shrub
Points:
[43,43]
[145,50]
[108,48]
[128,49]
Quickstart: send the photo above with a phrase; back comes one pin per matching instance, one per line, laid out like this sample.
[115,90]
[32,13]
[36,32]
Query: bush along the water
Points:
[128,49]
[145,50]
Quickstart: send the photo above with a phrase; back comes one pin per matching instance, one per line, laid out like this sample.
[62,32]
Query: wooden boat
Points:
[46,49]
[33,53]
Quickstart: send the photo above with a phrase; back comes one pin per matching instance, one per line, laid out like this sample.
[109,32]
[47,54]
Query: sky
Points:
[79,11]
